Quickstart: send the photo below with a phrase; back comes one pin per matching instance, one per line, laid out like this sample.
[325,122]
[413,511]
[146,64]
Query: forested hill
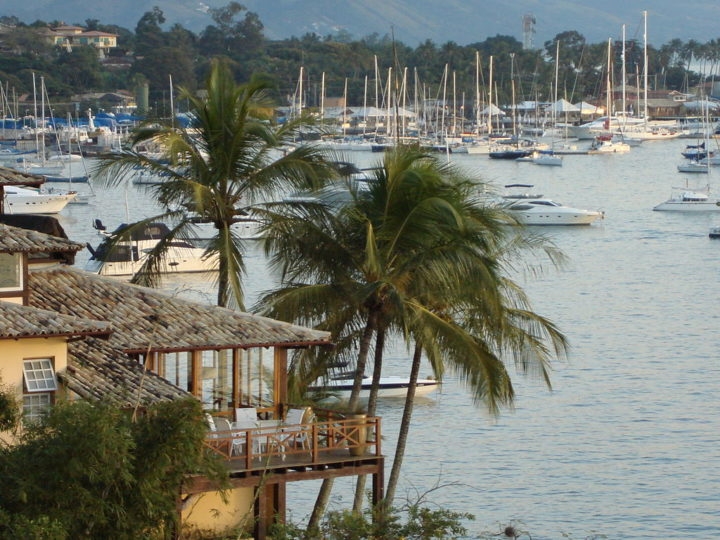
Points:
[409,21]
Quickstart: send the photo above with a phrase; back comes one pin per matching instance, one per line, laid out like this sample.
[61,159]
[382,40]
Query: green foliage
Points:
[89,470]
[237,34]
[10,409]
[415,523]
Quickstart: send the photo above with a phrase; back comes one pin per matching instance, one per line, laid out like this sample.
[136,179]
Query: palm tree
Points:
[230,158]
[419,255]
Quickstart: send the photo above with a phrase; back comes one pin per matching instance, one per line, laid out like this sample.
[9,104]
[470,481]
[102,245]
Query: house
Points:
[76,335]
[70,36]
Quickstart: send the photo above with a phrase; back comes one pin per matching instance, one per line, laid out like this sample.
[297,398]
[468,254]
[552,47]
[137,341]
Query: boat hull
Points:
[390,387]
[43,203]
[177,261]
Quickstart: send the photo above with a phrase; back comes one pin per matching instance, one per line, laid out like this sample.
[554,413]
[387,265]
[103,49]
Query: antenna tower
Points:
[528,31]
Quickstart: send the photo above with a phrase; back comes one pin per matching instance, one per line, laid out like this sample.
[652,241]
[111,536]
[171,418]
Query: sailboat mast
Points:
[490,98]
[624,74]
[172,104]
[645,60]
[477,93]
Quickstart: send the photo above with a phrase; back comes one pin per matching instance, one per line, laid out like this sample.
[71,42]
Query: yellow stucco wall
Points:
[15,351]
[207,512]
[12,354]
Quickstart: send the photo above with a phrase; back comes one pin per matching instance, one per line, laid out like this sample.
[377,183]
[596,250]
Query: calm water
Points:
[627,443]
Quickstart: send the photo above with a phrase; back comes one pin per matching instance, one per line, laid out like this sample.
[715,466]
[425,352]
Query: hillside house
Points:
[69,334]
[68,37]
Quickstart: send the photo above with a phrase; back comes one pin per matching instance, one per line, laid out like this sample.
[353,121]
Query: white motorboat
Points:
[390,387]
[687,199]
[27,200]
[127,257]
[607,145]
[538,210]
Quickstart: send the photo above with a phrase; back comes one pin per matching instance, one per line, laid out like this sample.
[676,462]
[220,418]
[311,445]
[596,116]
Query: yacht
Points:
[390,387]
[686,199]
[126,258]
[27,200]
[543,211]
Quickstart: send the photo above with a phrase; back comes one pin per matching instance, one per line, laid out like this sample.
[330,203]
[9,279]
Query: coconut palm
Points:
[230,158]
[419,255]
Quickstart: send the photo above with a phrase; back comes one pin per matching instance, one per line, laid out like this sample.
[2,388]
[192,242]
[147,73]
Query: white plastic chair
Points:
[294,433]
[243,414]
[238,438]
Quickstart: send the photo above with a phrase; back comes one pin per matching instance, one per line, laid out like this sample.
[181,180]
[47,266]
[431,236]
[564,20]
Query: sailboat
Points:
[605,144]
[647,131]
[512,150]
[549,158]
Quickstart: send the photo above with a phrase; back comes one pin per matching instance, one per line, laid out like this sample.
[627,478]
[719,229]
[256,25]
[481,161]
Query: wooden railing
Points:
[315,442]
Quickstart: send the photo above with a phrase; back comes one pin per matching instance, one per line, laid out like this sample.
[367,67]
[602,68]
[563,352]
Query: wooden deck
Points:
[321,449]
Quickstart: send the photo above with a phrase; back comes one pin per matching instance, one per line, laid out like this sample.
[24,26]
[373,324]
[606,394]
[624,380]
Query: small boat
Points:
[695,151]
[390,387]
[604,144]
[694,166]
[538,210]
[27,200]
[714,232]
[510,153]
[126,258]
[548,159]
[686,199]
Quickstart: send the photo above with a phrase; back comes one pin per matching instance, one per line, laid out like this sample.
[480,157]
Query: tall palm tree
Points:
[419,255]
[230,158]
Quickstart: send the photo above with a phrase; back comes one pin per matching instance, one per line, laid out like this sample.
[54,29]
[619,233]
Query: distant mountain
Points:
[410,21]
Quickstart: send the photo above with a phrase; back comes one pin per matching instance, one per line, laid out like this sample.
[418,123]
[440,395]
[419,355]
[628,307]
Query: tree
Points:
[420,256]
[90,470]
[217,169]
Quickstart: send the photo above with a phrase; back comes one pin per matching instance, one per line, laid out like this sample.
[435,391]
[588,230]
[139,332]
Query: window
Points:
[39,375]
[35,406]
[39,388]
[11,272]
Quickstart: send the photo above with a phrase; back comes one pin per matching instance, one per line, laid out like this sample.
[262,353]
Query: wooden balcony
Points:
[272,454]
[323,448]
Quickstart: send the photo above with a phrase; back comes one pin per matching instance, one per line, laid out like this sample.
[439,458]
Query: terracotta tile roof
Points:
[11,177]
[17,240]
[145,318]
[17,321]
[97,371]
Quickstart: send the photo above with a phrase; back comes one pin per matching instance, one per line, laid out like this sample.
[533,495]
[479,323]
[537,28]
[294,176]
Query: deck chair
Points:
[218,441]
[223,426]
[294,433]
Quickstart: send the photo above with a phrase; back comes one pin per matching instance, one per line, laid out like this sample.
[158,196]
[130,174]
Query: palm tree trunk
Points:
[372,406]
[323,497]
[321,502]
[223,282]
[404,430]
[362,361]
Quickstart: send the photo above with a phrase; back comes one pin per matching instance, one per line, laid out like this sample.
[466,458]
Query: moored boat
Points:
[113,257]
[687,199]
[27,200]
[390,387]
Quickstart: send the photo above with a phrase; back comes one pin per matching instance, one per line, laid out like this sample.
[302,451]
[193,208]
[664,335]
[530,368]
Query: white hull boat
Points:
[693,167]
[686,199]
[390,387]
[25,200]
[530,210]
[127,258]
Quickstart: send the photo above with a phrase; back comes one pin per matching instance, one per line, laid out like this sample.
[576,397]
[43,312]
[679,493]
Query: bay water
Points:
[627,442]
